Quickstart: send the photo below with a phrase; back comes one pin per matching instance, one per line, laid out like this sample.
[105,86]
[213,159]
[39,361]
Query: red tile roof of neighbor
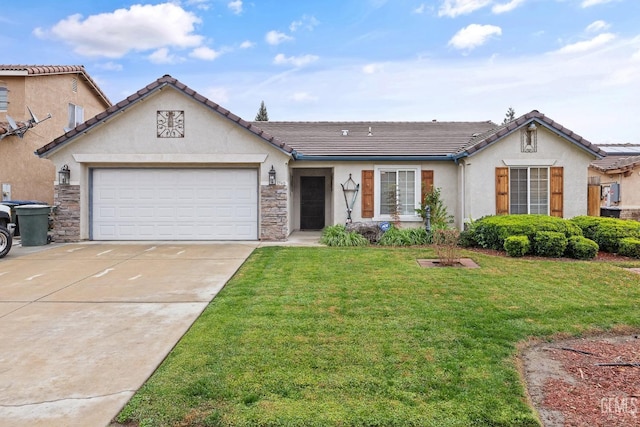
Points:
[41,70]
[352,140]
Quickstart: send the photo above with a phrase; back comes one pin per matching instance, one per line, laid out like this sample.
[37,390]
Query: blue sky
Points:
[577,61]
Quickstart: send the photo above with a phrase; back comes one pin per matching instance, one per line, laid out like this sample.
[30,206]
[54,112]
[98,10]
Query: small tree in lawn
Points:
[262,115]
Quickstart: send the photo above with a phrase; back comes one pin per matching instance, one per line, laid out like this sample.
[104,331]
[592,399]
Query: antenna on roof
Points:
[19,131]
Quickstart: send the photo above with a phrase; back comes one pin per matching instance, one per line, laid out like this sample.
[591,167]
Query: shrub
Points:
[392,237]
[468,235]
[550,244]
[491,231]
[607,232]
[405,237]
[445,241]
[630,246]
[337,235]
[517,246]
[439,215]
[581,248]
[416,236]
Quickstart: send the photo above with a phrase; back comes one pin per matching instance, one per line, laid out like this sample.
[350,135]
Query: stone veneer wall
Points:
[273,212]
[630,213]
[66,220]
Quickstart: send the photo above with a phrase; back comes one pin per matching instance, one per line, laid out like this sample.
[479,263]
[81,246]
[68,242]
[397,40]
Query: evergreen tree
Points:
[262,115]
[510,116]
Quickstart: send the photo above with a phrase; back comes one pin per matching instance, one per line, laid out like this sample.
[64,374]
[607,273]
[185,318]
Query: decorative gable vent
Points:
[74,85]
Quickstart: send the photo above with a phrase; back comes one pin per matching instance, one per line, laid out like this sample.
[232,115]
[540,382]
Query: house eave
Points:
[368,158]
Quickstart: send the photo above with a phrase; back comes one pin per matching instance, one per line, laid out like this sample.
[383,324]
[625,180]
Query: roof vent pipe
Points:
[345,132]
[370,133]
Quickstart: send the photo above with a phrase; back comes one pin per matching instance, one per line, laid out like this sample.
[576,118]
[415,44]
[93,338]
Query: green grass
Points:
[365,337]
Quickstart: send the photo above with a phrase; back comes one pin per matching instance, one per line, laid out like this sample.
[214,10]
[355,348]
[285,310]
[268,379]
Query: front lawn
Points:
[366,337]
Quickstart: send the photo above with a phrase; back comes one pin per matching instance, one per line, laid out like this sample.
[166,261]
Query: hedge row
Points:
[490,232]
[607,232]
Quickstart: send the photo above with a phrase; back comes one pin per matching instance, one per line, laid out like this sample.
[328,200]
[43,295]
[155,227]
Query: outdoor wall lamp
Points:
[272,176]
[64,175]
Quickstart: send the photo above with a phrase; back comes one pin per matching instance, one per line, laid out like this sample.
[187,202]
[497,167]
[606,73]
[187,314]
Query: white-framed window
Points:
[76,116]
[529,190]
[4,97]
[397,192]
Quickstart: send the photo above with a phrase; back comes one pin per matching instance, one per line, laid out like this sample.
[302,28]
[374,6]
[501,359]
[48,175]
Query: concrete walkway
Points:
[84,325]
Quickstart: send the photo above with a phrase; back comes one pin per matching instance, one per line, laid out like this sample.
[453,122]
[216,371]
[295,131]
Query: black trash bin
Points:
[611,212]
[35,224]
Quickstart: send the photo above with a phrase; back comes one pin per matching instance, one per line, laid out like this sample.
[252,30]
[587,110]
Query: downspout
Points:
[463,193]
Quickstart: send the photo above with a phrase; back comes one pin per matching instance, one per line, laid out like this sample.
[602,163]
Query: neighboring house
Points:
[168,164]
[617,177]
[68,94]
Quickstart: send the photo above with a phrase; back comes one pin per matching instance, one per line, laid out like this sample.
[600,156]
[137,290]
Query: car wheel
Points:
[5,241]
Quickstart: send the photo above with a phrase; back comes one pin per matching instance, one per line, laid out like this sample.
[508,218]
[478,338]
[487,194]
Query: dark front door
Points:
[311,202]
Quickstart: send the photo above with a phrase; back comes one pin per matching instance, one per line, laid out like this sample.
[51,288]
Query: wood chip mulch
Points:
[569,385]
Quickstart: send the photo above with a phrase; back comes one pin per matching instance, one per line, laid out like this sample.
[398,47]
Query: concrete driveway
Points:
[84,325]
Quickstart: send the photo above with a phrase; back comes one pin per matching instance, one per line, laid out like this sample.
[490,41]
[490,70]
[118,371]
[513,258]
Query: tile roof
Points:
[616,163]
[483,140]
[40,70]
[359,139]
[353,140]
[148,90]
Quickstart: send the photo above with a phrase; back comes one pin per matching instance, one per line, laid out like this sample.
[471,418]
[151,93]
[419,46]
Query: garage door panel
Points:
[174,204]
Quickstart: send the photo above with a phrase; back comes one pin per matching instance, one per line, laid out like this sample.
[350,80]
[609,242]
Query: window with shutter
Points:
[529,190]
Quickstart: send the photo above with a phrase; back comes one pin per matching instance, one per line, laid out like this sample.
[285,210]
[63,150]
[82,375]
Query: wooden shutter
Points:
[427,183]
[367,194]
[502,191]
[557,185]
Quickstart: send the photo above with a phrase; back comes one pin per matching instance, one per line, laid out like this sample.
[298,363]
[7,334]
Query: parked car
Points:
[6,230]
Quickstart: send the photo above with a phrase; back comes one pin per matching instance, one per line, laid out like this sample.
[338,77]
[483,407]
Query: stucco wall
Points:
[479,171]
[129,139]
[629,186]
[30,177]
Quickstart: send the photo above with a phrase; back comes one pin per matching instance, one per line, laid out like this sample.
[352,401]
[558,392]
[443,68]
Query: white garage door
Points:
[174,204]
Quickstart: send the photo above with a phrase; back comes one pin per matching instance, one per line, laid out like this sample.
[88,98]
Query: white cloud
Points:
[589,3]
[419,10]
[453,8]
[372,68]
[303,97]
[276,37]
[110,66]
[587,45]
[139,28]
[205,53]
[235,6]
[473,36]
[306,22]
[247,44]
[297,61]
[163,56]
[219,95]
[597,26]
[200,4]
[506,7]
